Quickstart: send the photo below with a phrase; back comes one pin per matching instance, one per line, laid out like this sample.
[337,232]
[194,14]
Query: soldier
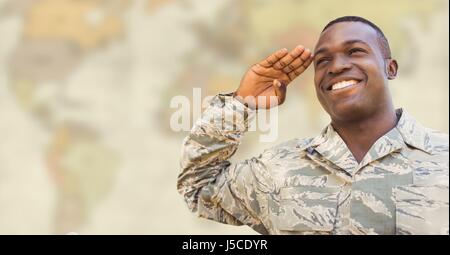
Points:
[373,170]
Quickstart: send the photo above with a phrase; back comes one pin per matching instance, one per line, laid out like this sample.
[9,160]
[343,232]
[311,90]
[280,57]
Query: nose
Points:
[339,65]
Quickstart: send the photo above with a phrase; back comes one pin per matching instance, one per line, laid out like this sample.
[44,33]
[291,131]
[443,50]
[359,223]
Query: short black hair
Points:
[384,43]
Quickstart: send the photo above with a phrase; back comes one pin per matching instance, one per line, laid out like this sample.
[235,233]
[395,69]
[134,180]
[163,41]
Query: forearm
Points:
[212,141]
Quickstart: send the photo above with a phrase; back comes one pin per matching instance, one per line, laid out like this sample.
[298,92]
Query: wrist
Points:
[247,103]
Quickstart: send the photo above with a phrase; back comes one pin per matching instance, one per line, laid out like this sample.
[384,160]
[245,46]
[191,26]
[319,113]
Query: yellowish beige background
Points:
[85,86]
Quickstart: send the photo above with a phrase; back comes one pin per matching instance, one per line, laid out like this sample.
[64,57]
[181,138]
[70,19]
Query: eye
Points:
[322,60]
[356,50]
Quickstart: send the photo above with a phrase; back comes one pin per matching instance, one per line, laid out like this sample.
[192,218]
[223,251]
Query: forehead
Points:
[341,32]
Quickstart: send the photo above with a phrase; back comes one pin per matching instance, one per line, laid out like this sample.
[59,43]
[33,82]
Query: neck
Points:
[359,135]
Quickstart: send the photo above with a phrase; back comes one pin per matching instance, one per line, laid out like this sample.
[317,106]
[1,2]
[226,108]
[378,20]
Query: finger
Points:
[299,61]
[280,91]
[272,59]
[294,74]
[286,60]
[306,55]
[308,61]
[293,65]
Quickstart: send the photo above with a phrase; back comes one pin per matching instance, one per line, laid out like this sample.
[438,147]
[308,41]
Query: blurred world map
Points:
[85,89]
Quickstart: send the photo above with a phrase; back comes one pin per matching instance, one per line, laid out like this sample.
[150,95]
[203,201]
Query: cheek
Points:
[373,69]
[322,100]
[318,76]
[319,92]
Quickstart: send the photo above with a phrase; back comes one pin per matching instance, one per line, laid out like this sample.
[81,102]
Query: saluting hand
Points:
[271,76]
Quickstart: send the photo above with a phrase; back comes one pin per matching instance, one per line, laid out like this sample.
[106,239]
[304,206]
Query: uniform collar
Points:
[413,133]
[407,132]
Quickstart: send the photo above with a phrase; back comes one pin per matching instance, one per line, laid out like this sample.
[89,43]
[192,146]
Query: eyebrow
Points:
[324,49]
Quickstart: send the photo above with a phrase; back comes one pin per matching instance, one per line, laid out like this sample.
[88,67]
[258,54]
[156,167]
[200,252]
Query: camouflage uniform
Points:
[315,185]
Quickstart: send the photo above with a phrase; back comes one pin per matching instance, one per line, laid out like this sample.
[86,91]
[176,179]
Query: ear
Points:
[391,69]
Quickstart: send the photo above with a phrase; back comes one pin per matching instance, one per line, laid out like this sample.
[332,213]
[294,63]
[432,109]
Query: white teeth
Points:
[343,84]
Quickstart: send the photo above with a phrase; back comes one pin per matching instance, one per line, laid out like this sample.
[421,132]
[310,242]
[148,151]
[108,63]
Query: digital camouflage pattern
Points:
[315,186]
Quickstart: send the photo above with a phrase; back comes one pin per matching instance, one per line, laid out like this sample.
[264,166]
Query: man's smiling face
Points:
[351,71]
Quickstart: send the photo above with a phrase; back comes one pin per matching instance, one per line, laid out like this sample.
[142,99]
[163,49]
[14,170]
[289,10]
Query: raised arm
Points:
[213,187]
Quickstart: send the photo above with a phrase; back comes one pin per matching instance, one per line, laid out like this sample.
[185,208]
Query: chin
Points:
[347,112]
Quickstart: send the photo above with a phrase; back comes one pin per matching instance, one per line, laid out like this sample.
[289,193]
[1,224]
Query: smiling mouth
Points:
[343,85]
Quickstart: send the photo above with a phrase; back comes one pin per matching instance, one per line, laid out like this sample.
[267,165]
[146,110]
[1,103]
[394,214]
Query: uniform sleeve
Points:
[214,188]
